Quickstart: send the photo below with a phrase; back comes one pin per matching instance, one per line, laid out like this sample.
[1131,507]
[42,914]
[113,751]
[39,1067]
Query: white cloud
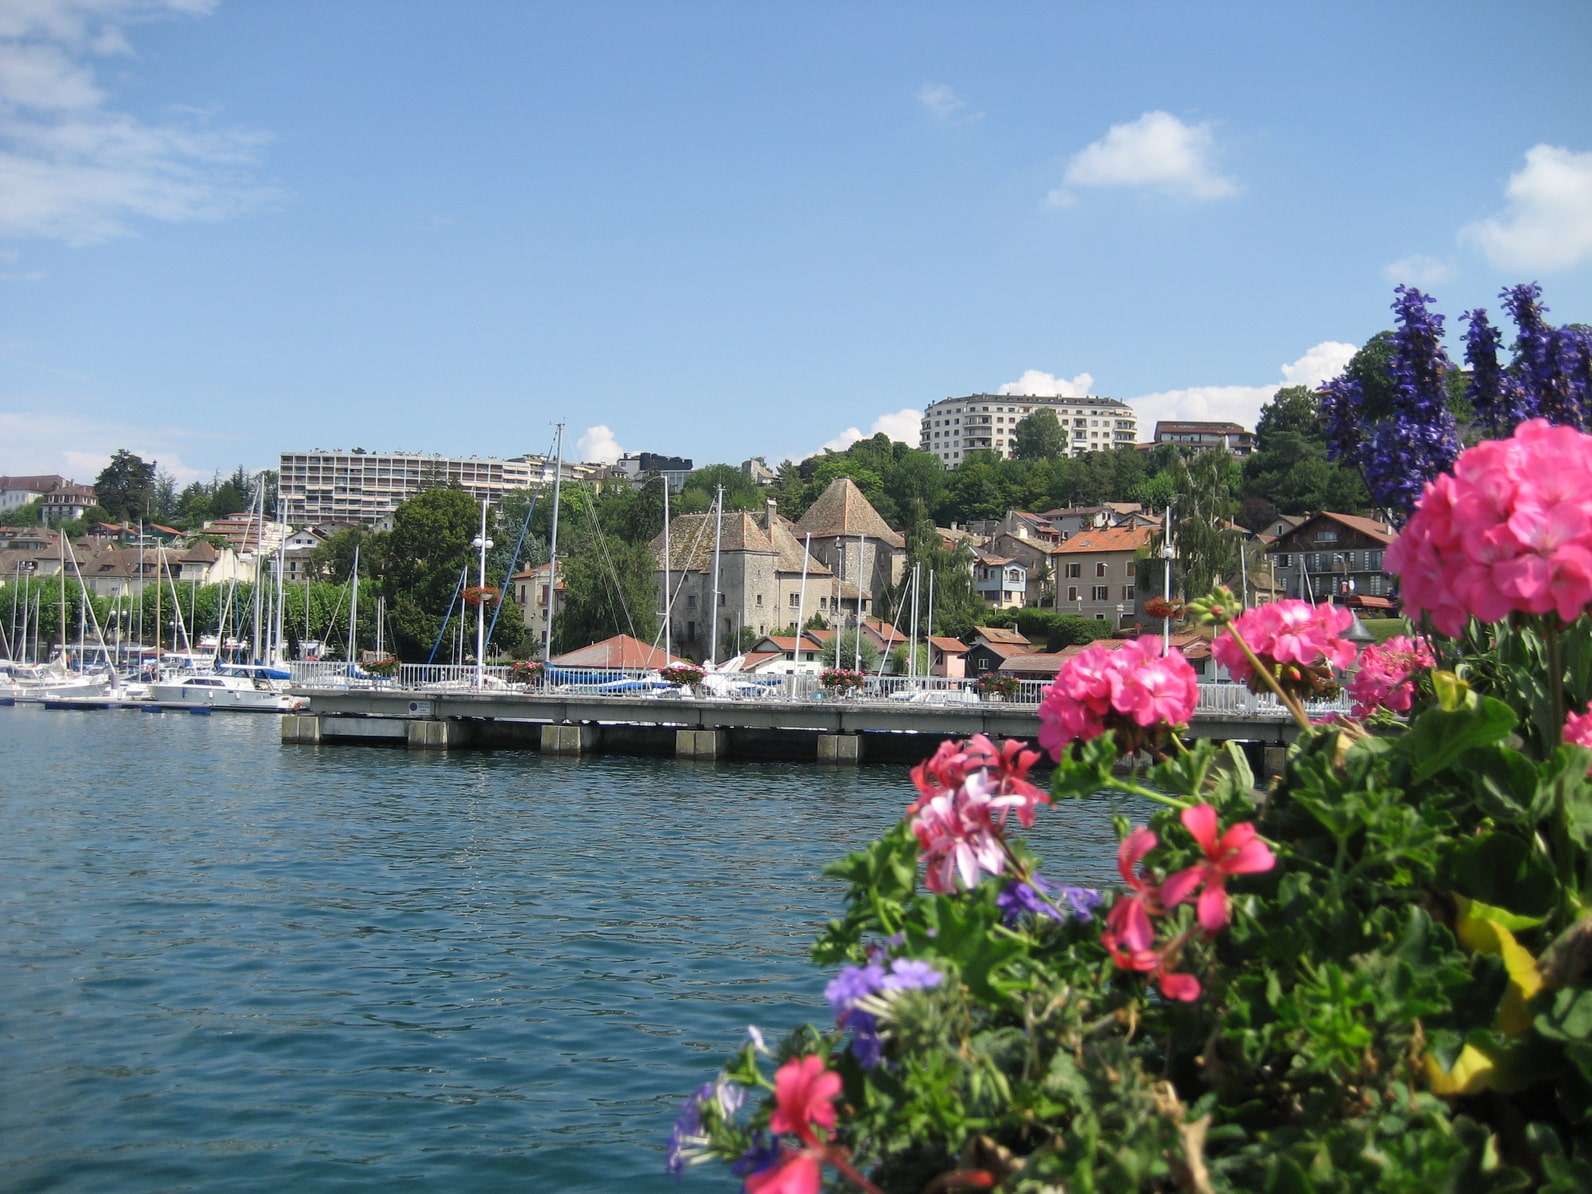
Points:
[78,171]
[1156,150]
[903,426]
[1418,270]
[599,446]
[1239,404]
[1321,364]
[78,448]
[1047,385]
[940,100]
[1548,222]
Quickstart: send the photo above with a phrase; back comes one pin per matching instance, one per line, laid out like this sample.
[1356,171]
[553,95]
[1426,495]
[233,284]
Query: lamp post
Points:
[483,545]
[1168,554]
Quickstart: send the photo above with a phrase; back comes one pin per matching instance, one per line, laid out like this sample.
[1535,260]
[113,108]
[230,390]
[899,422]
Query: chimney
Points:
[768,514]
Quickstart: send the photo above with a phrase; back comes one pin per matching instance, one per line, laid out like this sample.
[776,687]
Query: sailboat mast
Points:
[713,612]
[668,596]
[801,602]
[60,544]
[353,612]
[552,548]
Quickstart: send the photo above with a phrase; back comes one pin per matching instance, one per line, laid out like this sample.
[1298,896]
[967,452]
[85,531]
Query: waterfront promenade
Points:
[894,719]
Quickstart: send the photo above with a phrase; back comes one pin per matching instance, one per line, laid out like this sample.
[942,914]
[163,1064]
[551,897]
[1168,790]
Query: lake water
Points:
[233,964]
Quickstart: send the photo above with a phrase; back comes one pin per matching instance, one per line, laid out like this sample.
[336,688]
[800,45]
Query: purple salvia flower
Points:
[1501,403]
[1340,401]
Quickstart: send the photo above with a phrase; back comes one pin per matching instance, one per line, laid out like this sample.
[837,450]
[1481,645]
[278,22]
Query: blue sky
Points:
[234,229]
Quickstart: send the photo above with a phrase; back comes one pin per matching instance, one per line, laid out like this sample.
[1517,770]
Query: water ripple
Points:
[234,964]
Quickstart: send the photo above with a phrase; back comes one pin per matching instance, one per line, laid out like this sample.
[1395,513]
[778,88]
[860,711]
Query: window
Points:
[1127,592]
[760,601]
[1282,560]
[1130,567]
[823,603]
[1102,593]
[1072,592]
[1074,570]
[1326,536]
[690,601]
[795,600]
[1100,568]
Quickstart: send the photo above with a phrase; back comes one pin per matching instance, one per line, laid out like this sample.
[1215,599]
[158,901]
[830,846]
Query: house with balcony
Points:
[1332,557]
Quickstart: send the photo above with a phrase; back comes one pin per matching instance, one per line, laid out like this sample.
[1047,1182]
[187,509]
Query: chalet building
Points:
[1096,573]
[1331,557]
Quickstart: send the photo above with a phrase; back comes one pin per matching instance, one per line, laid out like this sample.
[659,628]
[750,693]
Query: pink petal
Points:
[1201,822]
[1179,887]
[1212,908]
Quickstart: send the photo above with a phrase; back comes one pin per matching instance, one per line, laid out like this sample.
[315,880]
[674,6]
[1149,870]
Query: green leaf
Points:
[1084,770]
[1569,1018]
[1501,869]
[1438,737]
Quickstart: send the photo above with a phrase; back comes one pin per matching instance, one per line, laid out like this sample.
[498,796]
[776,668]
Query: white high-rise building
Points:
[364,487]
[954,427]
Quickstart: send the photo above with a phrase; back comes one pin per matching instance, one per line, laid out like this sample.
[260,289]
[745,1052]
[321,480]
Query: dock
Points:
[850,730]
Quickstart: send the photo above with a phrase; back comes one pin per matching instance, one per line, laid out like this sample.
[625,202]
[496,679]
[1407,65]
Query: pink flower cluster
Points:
[1129,936]
[1386,679]
[964,795]
[1509,530]
[1293,639]
[1132,689]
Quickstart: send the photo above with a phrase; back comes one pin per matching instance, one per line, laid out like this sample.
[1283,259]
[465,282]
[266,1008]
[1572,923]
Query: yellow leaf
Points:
[1479,932]
[1471,1073]
[1451,691]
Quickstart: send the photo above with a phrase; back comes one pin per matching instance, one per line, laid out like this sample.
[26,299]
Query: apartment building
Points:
[954,427]
[362,487]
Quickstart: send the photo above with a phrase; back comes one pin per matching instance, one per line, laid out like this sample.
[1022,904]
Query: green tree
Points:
[421,562]
[126,486]
[609,590]
[701,489]
[1039,436]
[1202,533]
[841,651]
[333,558]
[1289,468]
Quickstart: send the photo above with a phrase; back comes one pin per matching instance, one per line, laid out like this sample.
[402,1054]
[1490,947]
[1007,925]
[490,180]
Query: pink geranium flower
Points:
[1296,642]
[1386,675]
[1509,531]
[1006,771]
[1239,851]
[1131,689]
[804,1098]
[957,834]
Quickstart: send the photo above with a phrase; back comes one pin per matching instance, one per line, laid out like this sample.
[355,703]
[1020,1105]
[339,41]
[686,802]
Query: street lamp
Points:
[1168,554]
[483,544]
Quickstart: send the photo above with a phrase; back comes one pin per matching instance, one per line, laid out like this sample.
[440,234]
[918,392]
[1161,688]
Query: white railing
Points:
[1219,698]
